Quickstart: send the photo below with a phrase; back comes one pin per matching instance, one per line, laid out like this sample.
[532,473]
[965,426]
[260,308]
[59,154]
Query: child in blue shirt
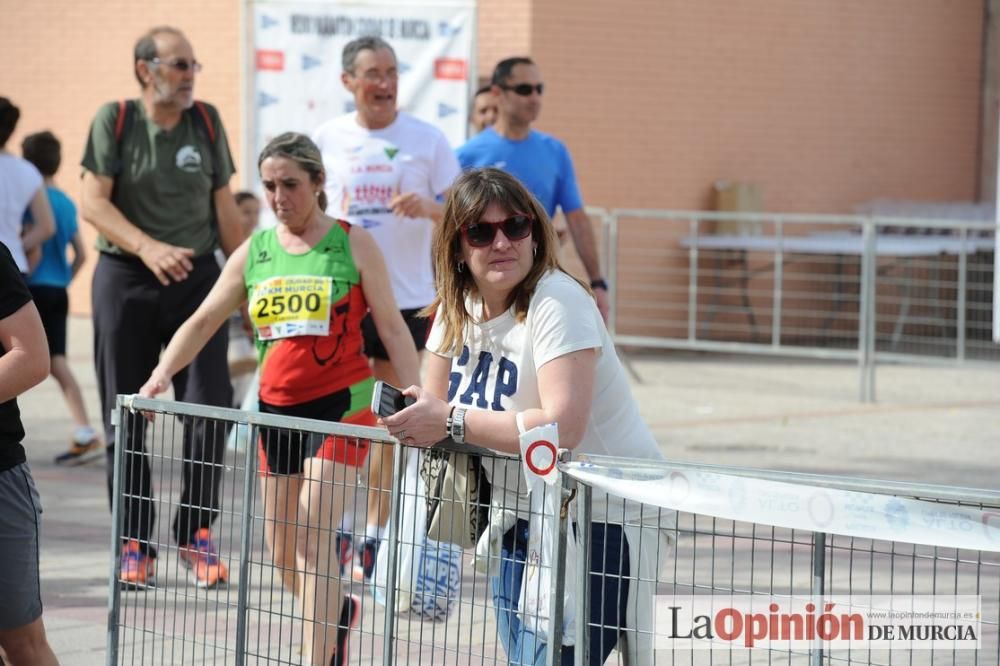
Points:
[48,282]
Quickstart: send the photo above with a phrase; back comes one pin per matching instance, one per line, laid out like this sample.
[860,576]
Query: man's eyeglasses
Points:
[524,89]
[481,234]
[179,64]
[372,76]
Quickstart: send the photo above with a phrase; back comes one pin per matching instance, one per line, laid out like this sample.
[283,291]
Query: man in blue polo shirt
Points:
[538,160]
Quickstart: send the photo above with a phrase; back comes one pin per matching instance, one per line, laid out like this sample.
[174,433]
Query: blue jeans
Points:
[609,570]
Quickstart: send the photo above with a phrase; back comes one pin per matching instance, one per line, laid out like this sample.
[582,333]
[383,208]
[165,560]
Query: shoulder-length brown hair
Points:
[469,197]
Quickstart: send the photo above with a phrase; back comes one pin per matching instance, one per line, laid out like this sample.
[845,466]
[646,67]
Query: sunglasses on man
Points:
[481,234]
[524,89]
[179,64]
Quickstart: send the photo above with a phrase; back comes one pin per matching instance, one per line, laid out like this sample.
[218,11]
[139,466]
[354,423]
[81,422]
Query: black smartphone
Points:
[387,399]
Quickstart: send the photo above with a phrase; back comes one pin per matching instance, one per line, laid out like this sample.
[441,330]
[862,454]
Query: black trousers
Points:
[134,318]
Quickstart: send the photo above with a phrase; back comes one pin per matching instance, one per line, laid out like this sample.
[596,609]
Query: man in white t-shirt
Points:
[386,171]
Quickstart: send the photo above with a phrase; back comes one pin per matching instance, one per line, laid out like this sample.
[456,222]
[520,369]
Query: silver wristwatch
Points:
[456,425]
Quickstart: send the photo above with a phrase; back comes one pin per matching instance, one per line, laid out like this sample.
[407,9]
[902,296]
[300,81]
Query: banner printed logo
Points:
[896,514]
[450,69]
[991,525]
[446,29]
[270,61]
[820,507]
[540,457]
[680,487]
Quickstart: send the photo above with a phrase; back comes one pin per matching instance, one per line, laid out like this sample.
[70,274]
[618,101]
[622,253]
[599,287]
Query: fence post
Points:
[692,322]
[584,500]
[963,268]
[398,465]
[557,589]
[114,589]
[872,336]
[818,588]
[779,277]
[866,313]
[246,527]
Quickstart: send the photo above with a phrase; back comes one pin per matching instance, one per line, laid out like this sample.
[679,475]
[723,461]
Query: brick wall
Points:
[64,59]
[504,30]
[826,104]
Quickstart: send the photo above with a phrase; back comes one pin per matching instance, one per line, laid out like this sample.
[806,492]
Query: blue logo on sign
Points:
[308,62]
[445,29]
[349,106]
[369,224]
[263,99]
[896,514]
[268,22]
[403,67]
[444,110]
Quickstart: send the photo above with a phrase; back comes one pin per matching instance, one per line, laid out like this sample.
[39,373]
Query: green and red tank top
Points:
[306,311]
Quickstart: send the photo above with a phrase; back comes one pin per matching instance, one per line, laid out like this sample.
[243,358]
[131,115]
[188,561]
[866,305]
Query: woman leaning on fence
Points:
[514,334]
[309,282]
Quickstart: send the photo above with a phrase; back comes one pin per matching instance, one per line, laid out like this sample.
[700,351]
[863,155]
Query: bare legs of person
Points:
[86,443]
[298,514]
[27,646]
[281,501]
[321,500]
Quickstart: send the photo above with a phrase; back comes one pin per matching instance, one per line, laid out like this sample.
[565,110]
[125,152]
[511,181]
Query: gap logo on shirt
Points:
[477,390]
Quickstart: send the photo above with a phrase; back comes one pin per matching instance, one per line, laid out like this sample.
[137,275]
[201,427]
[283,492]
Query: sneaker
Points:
[202,558]
[138,570]
[80,454]
[349,614]
[345,549]
[367,555]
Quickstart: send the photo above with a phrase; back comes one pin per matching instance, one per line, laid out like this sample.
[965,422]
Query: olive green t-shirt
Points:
[166,178]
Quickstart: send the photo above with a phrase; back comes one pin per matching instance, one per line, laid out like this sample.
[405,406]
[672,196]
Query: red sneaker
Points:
[202,558]
[138,570]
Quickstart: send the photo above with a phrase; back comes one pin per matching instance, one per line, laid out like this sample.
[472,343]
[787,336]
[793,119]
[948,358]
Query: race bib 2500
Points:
[284,307]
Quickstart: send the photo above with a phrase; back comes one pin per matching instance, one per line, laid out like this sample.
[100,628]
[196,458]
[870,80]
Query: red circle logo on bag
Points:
[529,457]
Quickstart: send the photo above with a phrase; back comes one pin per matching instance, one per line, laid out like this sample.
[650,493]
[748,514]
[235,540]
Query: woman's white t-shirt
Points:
[497,369]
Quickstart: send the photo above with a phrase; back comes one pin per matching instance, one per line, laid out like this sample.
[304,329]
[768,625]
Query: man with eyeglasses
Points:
[538,160]
[385,171]
[156,176]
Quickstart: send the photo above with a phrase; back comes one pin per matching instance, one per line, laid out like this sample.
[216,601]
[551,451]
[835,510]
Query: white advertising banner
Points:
[797,506]
[295,55]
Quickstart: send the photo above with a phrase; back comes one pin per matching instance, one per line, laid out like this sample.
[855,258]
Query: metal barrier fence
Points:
[446,601]
[866,289]
[446,610]
[726,556]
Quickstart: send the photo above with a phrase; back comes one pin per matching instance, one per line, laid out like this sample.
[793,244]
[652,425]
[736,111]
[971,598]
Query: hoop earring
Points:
[534,251]
[461,267]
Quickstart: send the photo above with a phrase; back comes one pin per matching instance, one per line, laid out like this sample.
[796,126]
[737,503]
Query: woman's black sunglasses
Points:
[481,234]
